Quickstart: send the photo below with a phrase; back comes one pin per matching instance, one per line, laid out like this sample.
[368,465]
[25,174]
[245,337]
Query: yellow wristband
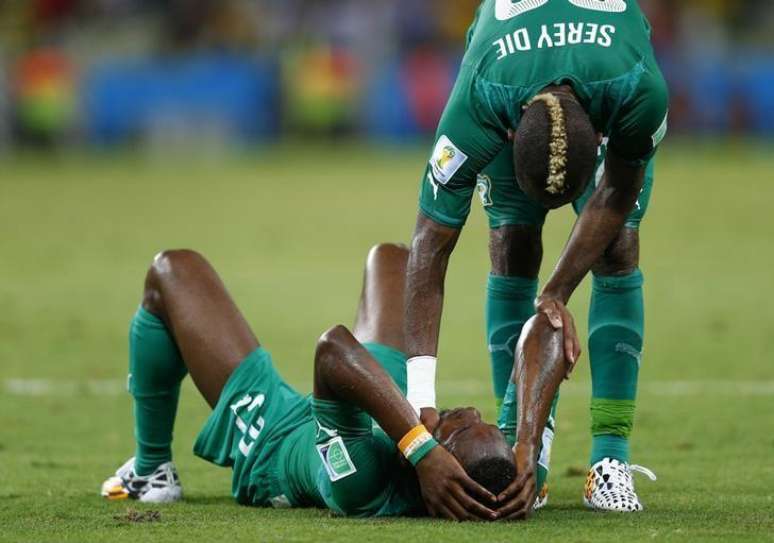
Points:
[414,439]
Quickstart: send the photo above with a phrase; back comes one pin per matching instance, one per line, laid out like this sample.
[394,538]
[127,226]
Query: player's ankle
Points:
[609,446]
[146,466]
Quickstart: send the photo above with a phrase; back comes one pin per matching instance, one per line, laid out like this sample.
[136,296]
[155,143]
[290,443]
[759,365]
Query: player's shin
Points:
[616,322]
[510,303]
[155,372]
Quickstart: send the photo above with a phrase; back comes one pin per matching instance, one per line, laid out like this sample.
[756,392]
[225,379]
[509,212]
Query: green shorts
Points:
[289,450]
[506,205]
[256,411]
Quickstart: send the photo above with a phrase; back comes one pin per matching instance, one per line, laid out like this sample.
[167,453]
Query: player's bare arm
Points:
[431,248]
[539,369]
[344,370]
[596,228]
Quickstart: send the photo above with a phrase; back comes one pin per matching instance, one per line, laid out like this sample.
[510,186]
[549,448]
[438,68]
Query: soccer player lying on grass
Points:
[325,451]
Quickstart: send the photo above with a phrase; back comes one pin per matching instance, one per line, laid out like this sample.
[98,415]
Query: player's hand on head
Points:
[561,319]
[429,417]
[448,492]
[517,501]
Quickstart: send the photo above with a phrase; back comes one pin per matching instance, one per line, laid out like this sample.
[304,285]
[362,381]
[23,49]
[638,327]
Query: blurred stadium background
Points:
[282,138]
[160,73]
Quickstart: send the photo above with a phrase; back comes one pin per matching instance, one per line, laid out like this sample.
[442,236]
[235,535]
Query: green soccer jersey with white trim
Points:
[516,48]
[289,450]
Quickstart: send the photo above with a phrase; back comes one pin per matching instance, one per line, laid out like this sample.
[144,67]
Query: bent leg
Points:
[185,292]
[379,316]
[379,321]
[178,328]
[616,323]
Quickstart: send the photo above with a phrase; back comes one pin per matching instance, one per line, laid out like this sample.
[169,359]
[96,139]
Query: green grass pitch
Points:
[288,228]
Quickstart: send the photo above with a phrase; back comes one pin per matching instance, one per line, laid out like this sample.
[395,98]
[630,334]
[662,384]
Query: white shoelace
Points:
[634,468]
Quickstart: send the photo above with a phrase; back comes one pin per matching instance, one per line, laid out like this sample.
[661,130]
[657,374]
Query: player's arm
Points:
[539,369]
[431,247]
[599,223]
[346,372]
[468,138]
[633,141]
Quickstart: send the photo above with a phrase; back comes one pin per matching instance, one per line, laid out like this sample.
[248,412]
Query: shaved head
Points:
[480,448]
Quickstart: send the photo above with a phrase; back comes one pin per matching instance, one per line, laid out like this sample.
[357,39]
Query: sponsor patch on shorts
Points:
[335,458]
[446,160]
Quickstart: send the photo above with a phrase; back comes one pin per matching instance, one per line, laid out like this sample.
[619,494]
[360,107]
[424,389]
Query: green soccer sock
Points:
[155,372]
[510,302]
[616,326]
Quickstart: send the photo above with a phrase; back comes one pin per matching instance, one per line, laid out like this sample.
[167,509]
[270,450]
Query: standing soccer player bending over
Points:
[551,95]
[338,448]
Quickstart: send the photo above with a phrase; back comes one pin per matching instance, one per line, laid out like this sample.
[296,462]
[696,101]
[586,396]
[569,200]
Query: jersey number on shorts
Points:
[251,431]
[508,9]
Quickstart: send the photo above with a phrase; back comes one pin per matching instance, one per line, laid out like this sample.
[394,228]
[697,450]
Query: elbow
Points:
[330,348]
[333,337]
[433,239]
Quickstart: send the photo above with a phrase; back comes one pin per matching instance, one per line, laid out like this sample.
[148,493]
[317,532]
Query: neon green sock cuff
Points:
[612,422]
[612,417]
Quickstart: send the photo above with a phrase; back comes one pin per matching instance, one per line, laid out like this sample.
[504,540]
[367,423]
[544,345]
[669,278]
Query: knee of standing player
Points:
[516,250]
[621,257]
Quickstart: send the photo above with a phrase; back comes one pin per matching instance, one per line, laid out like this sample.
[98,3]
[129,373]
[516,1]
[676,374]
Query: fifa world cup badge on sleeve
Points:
[335,458]
[446,160]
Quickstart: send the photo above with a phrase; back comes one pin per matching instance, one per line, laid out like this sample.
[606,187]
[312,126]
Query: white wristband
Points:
[420,382]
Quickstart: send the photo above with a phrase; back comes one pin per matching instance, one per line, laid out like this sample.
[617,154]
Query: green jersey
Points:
[515,49]
[289,450]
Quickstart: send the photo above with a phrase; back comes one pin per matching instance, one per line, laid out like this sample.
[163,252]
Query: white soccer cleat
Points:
[161,486]
[610,486]
[542,498]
